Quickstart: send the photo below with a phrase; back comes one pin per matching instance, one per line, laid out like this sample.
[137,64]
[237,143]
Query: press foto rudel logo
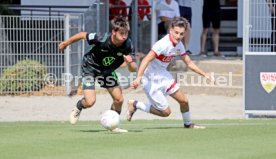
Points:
[268,81]
[182,78]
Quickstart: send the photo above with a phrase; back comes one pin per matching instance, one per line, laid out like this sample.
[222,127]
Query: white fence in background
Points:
[30,61]
[34,38]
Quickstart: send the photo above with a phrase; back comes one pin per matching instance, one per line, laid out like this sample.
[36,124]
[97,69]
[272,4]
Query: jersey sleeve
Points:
[158,48]
[129,48]
[181,50]
[92,38]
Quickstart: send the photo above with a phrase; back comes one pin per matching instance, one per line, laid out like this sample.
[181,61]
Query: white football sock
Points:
[186,118]
[144,107]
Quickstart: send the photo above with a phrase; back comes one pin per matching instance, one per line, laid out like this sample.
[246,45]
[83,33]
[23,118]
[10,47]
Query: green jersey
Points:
[104,57]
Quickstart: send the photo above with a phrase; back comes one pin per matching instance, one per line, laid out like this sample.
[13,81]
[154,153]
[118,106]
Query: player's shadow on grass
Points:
[169,127]
[92,131]
[135,131]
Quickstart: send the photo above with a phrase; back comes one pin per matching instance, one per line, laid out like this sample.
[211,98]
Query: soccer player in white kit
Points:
[158,82]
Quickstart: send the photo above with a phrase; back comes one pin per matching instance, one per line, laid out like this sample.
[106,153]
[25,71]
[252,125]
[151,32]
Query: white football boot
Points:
[75,115]
[118,130]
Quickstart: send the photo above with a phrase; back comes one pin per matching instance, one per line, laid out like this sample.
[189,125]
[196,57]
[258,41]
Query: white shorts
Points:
[157,87]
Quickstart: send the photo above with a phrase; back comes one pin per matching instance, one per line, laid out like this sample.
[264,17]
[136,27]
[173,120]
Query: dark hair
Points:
[179,22]
[119,23]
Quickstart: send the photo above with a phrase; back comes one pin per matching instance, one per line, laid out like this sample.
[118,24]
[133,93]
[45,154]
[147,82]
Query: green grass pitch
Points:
[146,139]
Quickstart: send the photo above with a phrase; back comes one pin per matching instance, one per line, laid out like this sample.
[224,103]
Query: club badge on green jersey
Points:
[119,54]
[107,61]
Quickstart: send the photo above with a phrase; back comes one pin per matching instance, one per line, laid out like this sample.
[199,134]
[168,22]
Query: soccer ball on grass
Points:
[110,119]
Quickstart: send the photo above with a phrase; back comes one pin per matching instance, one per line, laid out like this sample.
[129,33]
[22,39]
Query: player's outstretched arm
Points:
[191,65]
[81,35]
[144,64]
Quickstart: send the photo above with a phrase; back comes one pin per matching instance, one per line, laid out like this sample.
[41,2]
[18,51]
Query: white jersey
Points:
[157,81]
[165,51]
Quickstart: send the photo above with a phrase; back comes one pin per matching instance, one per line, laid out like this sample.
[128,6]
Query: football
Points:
[110,119]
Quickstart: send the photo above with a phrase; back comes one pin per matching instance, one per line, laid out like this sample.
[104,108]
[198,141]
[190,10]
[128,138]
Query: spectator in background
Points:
[185,9]
[143,10]
[117,11]
[211,14]
[166,16]
[271,5]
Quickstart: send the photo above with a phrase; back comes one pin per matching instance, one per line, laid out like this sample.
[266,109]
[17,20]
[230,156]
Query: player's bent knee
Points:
[119,100]
[166,112]
[89,102]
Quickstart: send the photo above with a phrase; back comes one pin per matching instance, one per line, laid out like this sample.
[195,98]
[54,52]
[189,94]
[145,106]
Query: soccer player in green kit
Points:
[108,52]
